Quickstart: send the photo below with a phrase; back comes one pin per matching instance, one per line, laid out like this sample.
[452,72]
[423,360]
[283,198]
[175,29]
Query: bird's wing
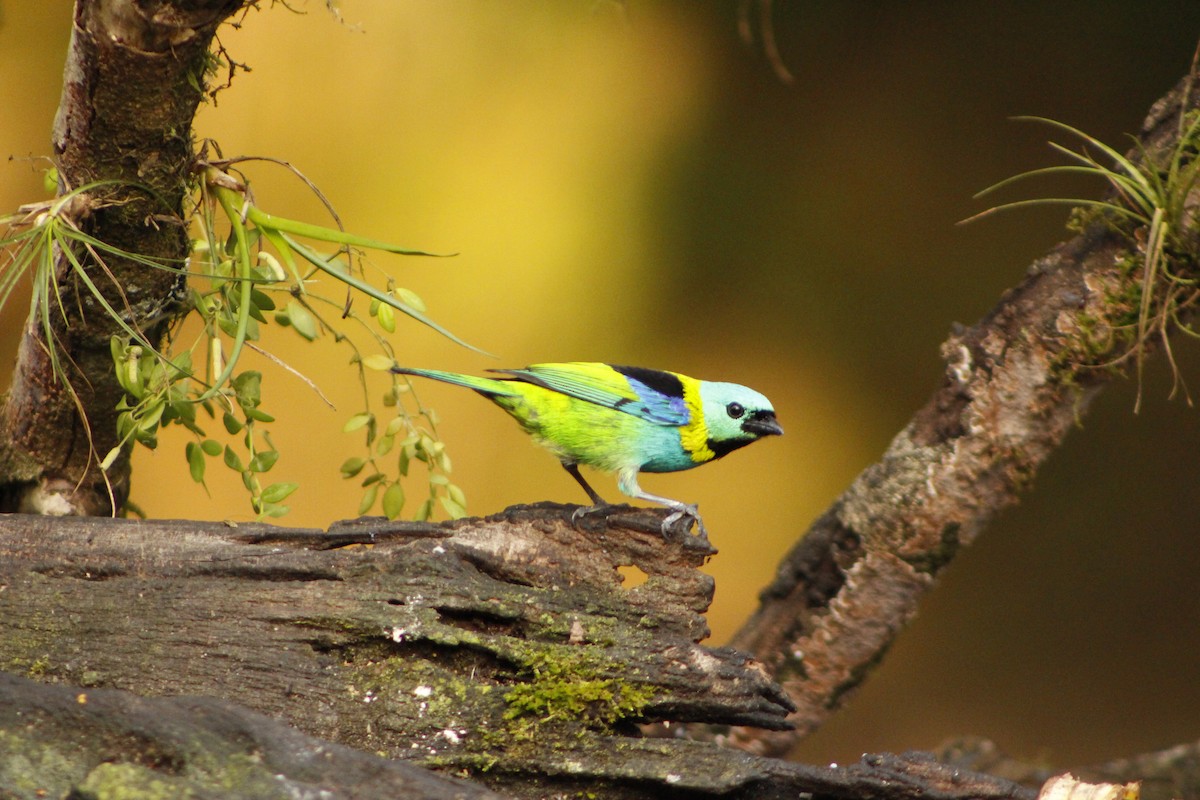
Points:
[632,390]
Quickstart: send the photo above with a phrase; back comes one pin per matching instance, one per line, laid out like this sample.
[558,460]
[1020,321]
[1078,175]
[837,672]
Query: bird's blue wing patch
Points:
[607,386]
[654,406]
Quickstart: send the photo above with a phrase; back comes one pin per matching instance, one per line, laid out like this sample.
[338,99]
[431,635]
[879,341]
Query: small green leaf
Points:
[368,499]
[231,423]
[262,462]
[393,500]
[456,494]
[409,298]
[258,415]
[185,410]
[278,491]
[274,510]
[352,466]
[262,301]
[302,320]
[378,362]
[455,510]
[426,510]
[387,318]
[384,445]
[116,346]
[196,462]
[182,364]
[149,421]
[124,425]
[357,421]
[248,387]
[228,326]
[211,447]
[231,459]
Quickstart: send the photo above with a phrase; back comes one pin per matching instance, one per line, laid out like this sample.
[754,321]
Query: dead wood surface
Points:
[60,741]
[498,644]
[504,648]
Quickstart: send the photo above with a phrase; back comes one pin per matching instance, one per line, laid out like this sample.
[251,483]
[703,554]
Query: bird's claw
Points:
[587,511]
[687,514]
[678,522]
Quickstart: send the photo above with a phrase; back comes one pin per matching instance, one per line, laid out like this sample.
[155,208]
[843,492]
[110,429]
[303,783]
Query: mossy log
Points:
[506,648]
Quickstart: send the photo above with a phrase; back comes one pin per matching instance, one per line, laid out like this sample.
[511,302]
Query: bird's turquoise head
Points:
[735,416]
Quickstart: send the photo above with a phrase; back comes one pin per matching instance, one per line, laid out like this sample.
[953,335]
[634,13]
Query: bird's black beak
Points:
[762,423]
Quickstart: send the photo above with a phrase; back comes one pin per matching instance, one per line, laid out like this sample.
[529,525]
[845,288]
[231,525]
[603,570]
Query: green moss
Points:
[111,781]
[573,685]
[1100,341]
[28,767]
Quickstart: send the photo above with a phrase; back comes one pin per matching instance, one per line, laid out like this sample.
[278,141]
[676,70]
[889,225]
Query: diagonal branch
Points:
[1015,384]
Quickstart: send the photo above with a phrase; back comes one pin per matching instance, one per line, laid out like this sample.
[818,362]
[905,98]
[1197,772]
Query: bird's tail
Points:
[487,386]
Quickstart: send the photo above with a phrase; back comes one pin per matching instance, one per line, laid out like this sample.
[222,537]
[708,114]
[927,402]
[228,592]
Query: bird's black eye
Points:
[735,410]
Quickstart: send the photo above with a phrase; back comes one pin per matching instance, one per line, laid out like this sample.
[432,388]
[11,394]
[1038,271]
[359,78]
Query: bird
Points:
[625,420]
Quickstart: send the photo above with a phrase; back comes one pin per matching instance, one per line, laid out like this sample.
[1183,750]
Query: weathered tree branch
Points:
[130,90]
[1015,384]
[506,644]
[61,741]
[505,647]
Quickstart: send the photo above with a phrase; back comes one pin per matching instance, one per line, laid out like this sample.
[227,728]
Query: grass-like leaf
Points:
[325,264]
[1150,195]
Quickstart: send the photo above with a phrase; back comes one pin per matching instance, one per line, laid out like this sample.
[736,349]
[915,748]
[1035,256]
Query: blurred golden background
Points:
[633,184]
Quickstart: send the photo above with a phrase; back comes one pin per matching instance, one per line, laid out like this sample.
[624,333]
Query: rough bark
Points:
[505,648]
[60,741]
[1015,384]
[63,741]
[130,90]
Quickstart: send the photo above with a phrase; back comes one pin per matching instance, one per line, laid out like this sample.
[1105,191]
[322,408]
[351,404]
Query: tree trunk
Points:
[130,90]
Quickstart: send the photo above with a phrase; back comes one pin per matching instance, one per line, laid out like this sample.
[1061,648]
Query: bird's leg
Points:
[627,483]
[573,469]
[597,501]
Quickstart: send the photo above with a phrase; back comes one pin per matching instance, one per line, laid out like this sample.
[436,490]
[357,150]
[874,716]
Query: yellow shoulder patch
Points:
[694,435]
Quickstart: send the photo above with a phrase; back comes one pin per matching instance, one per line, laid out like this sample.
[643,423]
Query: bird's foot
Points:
[587,511]
[678,523]
[687,515]
[581,512]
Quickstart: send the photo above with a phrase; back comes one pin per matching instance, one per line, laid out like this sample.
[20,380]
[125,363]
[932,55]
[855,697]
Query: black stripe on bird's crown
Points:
[662,382]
